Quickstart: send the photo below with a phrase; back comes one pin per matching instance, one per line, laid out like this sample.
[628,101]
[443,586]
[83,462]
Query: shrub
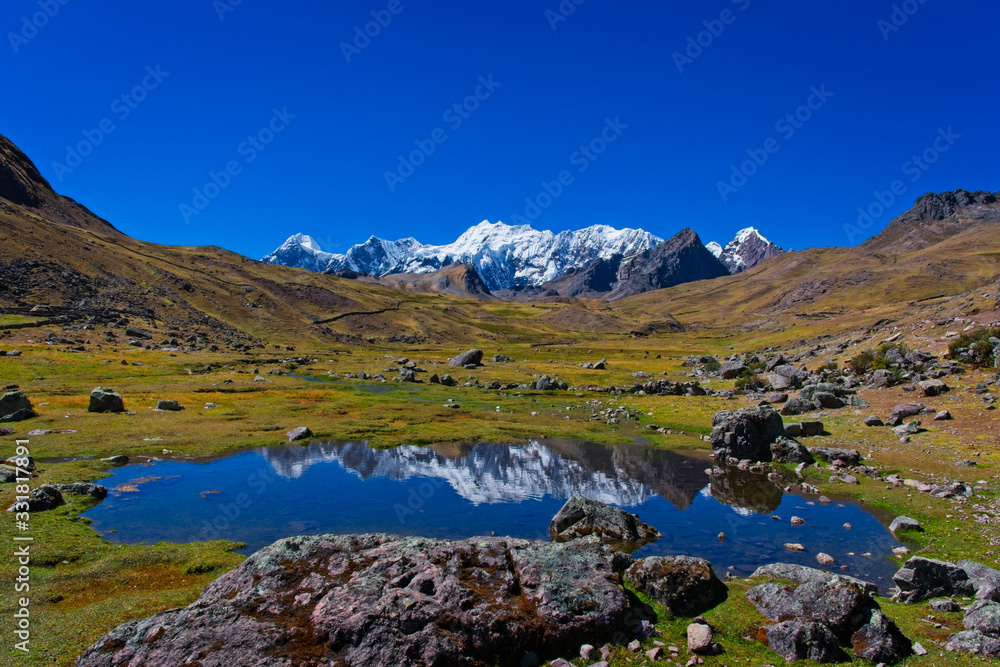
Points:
[974,347]
[861,361]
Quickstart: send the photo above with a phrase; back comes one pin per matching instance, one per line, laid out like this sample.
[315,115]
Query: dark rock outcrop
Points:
[924,578]
[471,357]
[680,259]
[581,517]
[105,400]
[95,491]
[685,586]
[44,498]
[374,600]
[746,434]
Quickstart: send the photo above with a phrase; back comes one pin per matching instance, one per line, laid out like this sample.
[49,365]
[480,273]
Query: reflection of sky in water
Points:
[457,491]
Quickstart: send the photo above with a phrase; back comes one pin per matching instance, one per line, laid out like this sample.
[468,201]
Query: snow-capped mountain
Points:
[746,251]
[504,255]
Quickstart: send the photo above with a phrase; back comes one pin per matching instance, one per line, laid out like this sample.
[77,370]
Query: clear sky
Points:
[593,92]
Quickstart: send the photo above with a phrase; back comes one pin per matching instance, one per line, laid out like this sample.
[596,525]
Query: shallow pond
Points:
[458,491]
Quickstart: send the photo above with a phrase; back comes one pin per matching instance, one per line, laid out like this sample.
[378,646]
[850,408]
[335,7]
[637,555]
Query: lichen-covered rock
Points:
[581,517]
[985,580]
[803,640]
[169,406]
[786,450]
[685,586]
[105,400]
[746,434]
[84,489]
[15,407]
[879,640]
[984,616]
[923,578]
[974,643]
[373,600]
[801,574]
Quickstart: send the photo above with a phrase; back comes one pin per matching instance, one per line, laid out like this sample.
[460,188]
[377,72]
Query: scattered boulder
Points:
[974,643]
[812,428]
[786,450]
[777,397]
[118,460]
[944,605]
[386,600]
[581,517]
[873,421]
[502,359]
[901,412]
[801,574]
[448,381]
[732,370]
[84,489]
[828,401]
[924,578]
[803,640]
[942,416]
[15,407]
[933,387]
[105,400]
[700,638]
[469,358]
[44,498]
[985,580]
[904,523]
[169,406]
[746,434]
[798,406]
[849,457]
[685,586]
[300,433]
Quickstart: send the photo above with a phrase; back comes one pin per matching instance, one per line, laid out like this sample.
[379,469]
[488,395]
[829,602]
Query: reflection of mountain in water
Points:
[626,475]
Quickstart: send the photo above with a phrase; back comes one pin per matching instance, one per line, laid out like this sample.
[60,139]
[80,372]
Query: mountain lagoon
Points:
[459,491]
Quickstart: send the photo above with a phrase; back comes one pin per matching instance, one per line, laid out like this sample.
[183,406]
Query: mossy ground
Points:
[102,584]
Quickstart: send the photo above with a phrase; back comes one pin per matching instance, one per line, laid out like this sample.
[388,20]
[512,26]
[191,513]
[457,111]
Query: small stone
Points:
[942,416]
[918,649]
[300,433]
[699,638]
[944,605]
[797,521]
[634,646]
[793,546]
[588,652]
[904,523]
[655,654]
[169,406]
[825,559]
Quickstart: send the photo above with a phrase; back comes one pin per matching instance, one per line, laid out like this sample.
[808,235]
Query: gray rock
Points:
[7,474]
[985,580]
[169,406]
[44,498]
[134,332]
[581,517]
[793,376]
[879,640]
[19,416]
[685,586]
[983,616]
[84,489]
[974,643]
[933,387]
[812,428]
[801,574]
[786,450]
[300,433]
[828,401]
[798,406]
[953,490]
[901,412]
[14,403]
[545,383]
[502,359]
[383,600]
[942,416]
[448,381]
[792,431]
[746,434]
[945,605]
[850,457]
[732,370]
[909,428]
[804,640]
[923,578]
[700,639]
[467,358]
[777,397]
[105,400]
[873,421]
[905,523]
[118,460]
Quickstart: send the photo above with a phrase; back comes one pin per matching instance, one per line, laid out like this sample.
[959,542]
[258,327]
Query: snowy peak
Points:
[746,251]
[504,255]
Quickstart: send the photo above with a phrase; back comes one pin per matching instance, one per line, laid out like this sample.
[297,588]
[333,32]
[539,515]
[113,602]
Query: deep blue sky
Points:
[325,173]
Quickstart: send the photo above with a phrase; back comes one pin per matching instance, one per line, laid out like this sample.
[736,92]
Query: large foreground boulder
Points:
[924,578]
[374,600]
[581,517]
[44,498]
[816,618]
[746,434]
[105,400]
[982,636]
[685,586]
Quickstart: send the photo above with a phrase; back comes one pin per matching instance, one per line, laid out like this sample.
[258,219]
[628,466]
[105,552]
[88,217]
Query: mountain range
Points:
[516,257]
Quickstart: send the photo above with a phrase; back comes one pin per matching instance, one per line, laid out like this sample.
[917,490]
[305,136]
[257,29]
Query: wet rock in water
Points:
[581,517]
[382,600]
[825,559]
[746,434]
[15,407]
[905,523]
[44,498]
[786,450]
[923,578]
[118,460]
[84,489]
[685,586]
[105,400]
[849,457]
[469,358]
[169,406]
[300,433]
